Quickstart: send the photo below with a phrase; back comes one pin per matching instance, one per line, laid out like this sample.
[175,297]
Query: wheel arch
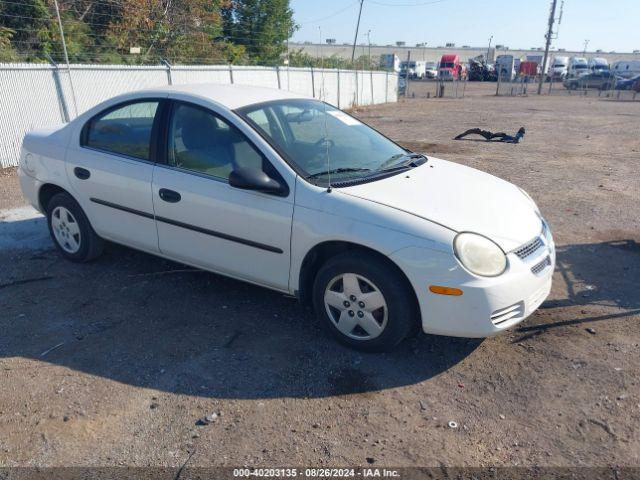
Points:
[46,193]
[323,251]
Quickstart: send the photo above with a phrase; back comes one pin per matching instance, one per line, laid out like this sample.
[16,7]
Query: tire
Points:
[368,277]
[71,231]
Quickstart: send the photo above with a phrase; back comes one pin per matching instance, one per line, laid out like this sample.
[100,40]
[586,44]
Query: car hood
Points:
[459,198]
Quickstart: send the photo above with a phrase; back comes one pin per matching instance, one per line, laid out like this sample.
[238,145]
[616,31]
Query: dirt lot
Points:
[111,363]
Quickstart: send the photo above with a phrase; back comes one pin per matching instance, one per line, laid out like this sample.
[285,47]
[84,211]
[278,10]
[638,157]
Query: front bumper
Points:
[488,305]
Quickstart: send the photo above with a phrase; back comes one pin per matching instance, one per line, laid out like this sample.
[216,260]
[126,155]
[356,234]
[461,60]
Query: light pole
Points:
[369,42]
[586,44]
[486,60]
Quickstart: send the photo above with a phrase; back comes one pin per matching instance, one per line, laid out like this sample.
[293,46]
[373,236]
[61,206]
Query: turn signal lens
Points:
[456,292]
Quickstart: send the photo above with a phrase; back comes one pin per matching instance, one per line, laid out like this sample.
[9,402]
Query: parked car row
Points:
[574,72]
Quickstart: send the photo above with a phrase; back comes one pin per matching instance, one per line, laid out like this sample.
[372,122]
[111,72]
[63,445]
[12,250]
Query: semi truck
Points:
[416,69]
[577,66]
[449,68]
[559,68]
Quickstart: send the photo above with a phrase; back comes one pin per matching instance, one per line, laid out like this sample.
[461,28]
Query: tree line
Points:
[147,31]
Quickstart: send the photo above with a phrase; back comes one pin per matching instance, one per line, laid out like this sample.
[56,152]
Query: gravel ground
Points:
[115,362]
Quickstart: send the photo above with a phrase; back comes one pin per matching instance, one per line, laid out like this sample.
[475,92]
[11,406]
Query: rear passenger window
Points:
[202,142]
[125,130]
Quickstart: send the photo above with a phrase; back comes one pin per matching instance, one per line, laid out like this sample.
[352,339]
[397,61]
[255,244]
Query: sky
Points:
[608,25]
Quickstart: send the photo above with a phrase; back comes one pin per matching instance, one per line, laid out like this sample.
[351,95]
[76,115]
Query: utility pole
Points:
[406,88]
[552,15]
[586,44]
[355,39]
[66,56]
[369,41]
[486,60]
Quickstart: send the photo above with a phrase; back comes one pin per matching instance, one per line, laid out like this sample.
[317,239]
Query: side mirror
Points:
[255,179]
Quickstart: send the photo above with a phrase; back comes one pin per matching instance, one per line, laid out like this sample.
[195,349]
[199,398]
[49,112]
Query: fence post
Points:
[338,72]
[313,84]
[371,77]
[59,90]
[231,74]
[386,86]
[278,74]
[166,63]
[357,89]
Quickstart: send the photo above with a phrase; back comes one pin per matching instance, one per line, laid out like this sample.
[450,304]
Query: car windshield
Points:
[447,65]
[322,141]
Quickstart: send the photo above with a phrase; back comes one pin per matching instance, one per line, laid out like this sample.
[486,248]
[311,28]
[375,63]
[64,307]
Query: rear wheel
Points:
[71,231]
[364,302]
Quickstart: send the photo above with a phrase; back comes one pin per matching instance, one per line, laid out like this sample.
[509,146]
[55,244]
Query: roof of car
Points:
[234,96]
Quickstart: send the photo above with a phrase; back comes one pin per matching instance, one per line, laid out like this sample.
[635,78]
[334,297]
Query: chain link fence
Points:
[603,88]
[42,95]
[434,88]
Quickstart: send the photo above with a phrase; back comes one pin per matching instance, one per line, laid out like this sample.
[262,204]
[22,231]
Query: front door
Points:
[110,170]
[201,219]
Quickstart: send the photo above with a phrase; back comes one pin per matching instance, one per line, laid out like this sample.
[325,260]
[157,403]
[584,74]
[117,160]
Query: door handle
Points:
[169,195]
[81,173]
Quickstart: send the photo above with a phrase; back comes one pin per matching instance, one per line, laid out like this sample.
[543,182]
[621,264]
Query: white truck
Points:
[598,64]
[578,66]
[626,68]
[558,68]
[417,69]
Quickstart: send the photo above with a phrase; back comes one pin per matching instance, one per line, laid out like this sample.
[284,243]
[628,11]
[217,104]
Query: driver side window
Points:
[202,142]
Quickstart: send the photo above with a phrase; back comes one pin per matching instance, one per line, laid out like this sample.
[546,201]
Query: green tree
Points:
[7,53]
[262,26]
[30,21]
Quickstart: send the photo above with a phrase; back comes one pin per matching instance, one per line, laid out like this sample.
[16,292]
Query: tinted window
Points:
[124,130]
[203,142]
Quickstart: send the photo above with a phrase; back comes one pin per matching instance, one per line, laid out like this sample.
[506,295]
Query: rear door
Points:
[110,169]
[201,219]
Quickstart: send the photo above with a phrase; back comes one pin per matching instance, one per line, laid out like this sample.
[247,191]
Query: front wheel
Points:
[364,302]
[71,231]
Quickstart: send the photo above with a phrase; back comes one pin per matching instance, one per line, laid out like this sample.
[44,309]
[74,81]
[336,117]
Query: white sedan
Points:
[290,193]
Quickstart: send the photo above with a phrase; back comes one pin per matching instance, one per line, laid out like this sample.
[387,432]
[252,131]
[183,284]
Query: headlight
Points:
[479,255]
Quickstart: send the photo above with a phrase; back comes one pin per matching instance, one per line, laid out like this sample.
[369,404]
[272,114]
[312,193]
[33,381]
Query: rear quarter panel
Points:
[42,160]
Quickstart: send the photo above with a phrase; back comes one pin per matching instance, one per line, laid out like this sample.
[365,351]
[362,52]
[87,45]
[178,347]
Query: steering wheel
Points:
[324,143]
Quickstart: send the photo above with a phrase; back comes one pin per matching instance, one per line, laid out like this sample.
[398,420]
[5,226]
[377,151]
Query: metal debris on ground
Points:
[453,424]
[493,137]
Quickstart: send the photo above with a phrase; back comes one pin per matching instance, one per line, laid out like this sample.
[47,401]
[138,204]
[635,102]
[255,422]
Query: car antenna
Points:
[324,111]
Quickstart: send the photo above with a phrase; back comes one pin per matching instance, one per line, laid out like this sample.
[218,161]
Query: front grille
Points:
[539,267]
[528,248]
[503,315]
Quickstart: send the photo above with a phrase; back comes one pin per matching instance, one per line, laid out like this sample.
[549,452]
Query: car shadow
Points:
[596,275]
[144,321]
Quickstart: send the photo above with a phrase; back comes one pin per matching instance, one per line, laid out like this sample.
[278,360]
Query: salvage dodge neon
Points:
[295,195]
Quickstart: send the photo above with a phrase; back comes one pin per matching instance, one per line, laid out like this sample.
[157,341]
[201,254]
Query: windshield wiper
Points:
[409,162]
[338,170]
